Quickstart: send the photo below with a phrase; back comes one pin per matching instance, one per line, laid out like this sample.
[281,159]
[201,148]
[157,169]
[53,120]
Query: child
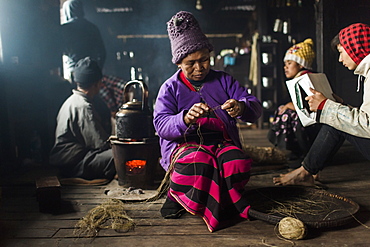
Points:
[287,131]
[340,122]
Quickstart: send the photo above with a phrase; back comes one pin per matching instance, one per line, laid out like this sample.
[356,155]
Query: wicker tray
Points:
[316,208]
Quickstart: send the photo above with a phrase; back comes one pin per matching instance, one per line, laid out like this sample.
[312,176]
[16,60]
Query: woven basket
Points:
[331,210]
[265,155]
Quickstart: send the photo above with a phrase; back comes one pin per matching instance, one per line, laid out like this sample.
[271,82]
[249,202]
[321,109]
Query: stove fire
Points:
[135,166]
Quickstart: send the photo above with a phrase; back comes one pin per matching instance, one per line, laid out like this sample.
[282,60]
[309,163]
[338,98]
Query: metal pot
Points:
[134,119]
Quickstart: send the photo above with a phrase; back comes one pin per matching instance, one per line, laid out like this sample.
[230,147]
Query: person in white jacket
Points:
[340,122]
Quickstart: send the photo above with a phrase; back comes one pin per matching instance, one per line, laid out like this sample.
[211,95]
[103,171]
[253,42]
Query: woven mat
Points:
[316,208]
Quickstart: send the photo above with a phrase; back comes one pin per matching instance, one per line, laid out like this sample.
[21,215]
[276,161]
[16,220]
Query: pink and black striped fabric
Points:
[208,180]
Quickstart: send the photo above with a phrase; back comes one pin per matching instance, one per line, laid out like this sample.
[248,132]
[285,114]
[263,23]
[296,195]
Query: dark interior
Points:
[32,88]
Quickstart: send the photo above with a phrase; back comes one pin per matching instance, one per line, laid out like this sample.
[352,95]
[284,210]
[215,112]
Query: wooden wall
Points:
[126,25]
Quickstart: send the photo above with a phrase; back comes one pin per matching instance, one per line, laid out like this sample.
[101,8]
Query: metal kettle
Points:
[134,119]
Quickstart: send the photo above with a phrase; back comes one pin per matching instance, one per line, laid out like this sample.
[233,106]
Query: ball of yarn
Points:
[292,228]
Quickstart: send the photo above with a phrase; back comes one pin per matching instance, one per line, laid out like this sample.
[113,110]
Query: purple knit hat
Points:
[185,36]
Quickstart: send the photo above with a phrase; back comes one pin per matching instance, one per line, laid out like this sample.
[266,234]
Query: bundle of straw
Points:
[109,215]
[265,155]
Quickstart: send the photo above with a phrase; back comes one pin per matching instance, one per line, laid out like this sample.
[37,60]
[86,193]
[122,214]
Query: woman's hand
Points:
[195,112]
[315,99]
[233,107]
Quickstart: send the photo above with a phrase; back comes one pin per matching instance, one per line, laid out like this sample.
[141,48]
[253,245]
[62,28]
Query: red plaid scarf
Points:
[355,40]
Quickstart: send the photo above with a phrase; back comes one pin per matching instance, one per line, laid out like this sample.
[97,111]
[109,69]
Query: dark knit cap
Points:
[185,36]
[355,40]
[86,72]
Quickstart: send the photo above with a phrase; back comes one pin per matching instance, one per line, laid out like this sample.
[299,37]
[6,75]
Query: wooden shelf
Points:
[267,67]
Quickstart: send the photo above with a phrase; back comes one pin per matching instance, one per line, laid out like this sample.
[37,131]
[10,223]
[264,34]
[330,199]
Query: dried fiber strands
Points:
[109,215]
[265,155]
[304,205]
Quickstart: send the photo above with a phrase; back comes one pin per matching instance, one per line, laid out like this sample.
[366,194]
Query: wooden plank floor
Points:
[21,223]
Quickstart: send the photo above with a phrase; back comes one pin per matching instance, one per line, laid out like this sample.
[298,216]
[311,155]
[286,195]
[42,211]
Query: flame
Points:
[135,164]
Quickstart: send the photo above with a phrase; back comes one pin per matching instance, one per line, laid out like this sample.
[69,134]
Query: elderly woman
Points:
[195,117]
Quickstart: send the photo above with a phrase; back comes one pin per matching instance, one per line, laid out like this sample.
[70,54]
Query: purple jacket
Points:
[175,98]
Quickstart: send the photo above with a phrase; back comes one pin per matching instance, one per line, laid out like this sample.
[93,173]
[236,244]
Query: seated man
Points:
[83,127]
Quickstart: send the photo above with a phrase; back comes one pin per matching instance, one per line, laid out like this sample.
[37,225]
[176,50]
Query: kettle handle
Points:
[144,92]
